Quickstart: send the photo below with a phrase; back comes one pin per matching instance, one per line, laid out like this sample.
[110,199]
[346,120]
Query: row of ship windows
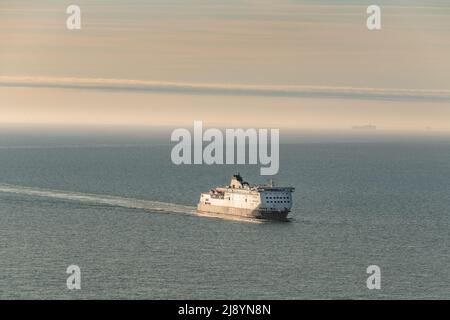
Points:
[278,202]
[277,198]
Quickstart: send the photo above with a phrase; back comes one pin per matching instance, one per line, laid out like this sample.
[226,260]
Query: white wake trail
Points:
[115,201]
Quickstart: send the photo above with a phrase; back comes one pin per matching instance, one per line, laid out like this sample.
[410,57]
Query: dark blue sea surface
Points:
[357,203]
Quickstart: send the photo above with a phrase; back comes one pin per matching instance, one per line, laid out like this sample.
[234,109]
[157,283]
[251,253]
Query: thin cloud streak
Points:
[226,89]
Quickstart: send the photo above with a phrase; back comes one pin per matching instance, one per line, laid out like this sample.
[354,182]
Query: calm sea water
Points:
[124,214]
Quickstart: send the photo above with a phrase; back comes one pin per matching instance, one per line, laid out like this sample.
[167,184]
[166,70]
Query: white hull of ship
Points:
[256,213]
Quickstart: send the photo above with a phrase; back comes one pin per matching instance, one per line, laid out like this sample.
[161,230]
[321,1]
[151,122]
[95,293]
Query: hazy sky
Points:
[301,64]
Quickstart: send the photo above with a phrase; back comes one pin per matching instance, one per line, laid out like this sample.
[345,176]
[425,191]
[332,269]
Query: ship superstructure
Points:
[245,200]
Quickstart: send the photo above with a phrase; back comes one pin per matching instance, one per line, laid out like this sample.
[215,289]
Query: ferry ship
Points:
[249,201]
